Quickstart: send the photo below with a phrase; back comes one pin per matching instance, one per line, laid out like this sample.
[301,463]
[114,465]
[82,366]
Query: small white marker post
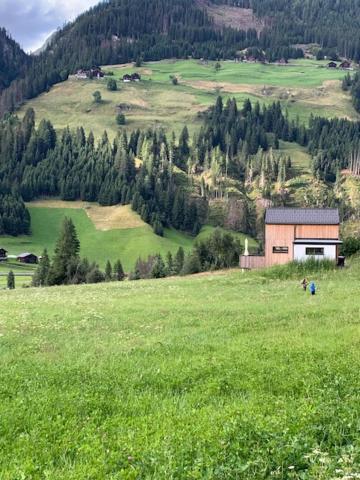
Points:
[246,251]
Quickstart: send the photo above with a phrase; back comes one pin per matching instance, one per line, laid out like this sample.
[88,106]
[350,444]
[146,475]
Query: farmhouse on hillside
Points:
[345,65]
[134,77]
[297,234]
[3,254]
[332,65]
[94,72]
[27,258]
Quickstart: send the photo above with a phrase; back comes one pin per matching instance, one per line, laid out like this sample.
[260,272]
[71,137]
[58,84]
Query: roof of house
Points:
[302,216]
[26,254]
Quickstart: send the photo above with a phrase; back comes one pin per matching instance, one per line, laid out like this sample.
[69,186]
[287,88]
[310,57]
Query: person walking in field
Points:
[312,288]
[304,284]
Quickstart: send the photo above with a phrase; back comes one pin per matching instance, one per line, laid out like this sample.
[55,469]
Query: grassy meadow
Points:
[126,237]
[223,376]
[303,87]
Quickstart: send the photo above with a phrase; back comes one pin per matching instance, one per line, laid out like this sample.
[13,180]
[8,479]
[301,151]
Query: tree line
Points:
[161,186]
[169,181]
[220,250]
[68,268]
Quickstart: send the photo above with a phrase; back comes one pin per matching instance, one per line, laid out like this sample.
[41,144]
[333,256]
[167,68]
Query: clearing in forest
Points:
[303,87]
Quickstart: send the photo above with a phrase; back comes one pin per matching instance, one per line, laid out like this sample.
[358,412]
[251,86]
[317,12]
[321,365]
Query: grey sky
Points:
[30,22]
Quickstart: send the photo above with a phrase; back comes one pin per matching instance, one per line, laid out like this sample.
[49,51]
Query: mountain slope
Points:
[12,59]
[113,32]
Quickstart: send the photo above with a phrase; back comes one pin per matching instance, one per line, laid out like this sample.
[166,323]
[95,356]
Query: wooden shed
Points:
[27,258]
[3,254]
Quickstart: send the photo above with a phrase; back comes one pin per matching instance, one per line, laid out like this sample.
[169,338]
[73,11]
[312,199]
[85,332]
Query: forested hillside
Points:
[114,32]
[170,181]
[334,25]
[12,59]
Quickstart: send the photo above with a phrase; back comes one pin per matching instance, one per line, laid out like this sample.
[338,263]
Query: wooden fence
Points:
[252,261]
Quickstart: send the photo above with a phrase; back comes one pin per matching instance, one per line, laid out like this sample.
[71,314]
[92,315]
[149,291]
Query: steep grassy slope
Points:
[303,88]
[120,241]
[232,376]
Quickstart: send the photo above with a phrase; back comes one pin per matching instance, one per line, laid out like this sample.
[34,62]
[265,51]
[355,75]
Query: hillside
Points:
[118,230]
[303,87]
[113,32]
[218,377]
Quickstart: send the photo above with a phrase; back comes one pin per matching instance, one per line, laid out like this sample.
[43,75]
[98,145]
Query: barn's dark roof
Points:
[26,254]
[302,216]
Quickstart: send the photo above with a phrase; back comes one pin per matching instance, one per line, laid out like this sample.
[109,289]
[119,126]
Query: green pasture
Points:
[303,88]
[220,377]
[99,246]
[295,74]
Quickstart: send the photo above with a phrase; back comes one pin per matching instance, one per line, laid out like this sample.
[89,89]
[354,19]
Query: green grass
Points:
[155,102]
[96,245]
[234,376]
[300,74]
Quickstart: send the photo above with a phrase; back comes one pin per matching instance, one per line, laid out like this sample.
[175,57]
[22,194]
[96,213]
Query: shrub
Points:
[191,265]
[97,97]
[350,246]
[299,269]
[120,119]
[112,85]
[174,80]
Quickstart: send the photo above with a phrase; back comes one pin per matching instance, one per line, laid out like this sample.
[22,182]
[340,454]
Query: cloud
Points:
[31,22]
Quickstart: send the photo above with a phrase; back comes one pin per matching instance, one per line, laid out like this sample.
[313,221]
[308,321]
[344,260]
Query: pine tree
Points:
[179,260]
[119,274]
[41,276]
[169,263]
[158,270]
[108,271]
[66,251]
[11,280]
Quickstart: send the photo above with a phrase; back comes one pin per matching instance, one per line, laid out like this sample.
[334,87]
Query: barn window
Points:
[314,251]
[280,249]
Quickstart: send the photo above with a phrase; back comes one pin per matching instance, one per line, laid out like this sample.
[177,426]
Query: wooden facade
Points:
[297,234]
[278,236]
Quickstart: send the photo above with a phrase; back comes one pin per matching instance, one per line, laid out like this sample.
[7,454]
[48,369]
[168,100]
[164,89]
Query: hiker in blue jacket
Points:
[312,288]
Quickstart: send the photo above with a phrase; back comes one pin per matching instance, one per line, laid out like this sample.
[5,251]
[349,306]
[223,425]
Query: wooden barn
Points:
[345,65]
[27,258]
[332,65]
[134,77]
[3,254]
[298,234]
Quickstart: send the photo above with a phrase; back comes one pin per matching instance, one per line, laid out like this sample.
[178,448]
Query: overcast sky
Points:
[30,22]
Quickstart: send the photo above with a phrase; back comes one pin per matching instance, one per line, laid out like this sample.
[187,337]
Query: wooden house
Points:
[345,65]
[332,65]
[94,72]
[298,234]
[27,258]
[3,254]
[135,77]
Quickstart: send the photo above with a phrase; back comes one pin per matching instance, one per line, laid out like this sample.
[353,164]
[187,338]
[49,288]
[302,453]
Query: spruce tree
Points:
[41,276]
[158,270]
[169,263]
[11,280]
[179,260]
[119,274]
[108,271]
[66,251]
